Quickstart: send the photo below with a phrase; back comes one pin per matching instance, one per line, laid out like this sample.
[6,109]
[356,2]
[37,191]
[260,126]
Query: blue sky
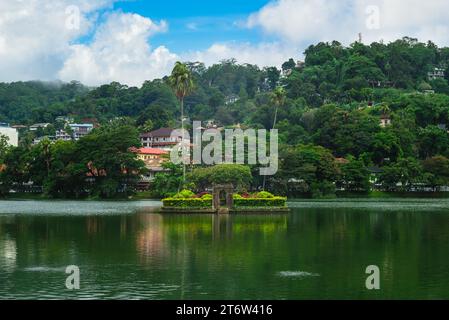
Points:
[130,41]
[195,25]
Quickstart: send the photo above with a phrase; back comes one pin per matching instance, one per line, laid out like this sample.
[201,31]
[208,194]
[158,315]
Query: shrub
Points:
[254,202]
[264,195]
[187,203]
[201,194]
[184,194]
[207,196]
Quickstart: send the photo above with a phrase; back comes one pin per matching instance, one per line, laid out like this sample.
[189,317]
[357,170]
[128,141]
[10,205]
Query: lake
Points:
[126,250]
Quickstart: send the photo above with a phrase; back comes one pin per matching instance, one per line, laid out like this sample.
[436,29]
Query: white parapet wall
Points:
[12,134]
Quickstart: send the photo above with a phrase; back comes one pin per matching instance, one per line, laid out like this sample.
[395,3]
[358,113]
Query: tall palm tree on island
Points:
[277,98]
[181,81]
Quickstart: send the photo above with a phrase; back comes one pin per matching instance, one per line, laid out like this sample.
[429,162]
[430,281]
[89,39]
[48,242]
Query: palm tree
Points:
[181,81]
[278,100]
[385,109]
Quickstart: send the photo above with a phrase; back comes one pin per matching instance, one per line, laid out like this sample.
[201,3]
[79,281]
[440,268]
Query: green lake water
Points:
[126,250]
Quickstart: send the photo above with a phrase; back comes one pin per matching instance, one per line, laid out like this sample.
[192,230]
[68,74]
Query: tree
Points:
[4,147]
[438,168]
[236,174]
[181,81]
[402,175]
[355,176]
[432,141]
[277,99]
[307,169]
[169,182]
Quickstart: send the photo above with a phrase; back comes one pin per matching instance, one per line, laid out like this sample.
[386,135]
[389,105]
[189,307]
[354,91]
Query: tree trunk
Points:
[182,127]
[275,117]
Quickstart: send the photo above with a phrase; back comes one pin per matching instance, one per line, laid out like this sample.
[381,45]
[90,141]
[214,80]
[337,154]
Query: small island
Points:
[222,189]
[225,201]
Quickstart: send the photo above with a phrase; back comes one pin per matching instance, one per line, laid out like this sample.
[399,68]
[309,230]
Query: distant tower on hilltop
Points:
[360,37]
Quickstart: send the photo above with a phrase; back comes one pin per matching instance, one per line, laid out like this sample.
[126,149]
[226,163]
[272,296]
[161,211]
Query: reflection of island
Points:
[222,226]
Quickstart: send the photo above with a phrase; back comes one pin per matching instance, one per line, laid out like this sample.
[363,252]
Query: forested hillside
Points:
[335,99]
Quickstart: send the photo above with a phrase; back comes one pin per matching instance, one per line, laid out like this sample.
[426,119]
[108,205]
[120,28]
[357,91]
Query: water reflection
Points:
[153,256]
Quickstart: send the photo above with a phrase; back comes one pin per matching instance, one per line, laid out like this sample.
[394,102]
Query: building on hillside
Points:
[10,133]
[65,119]
[19,127]
[37,126]
[153,159]
[63,135]
[436,73]
[92,121]
[160,138]
[374,175]
[40,139]
[80,129]
[231,99]
[385,121]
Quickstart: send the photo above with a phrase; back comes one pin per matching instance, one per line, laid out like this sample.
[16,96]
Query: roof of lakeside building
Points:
[162,132]
[152,151]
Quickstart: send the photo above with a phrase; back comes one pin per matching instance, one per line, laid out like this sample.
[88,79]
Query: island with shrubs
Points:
[218,201]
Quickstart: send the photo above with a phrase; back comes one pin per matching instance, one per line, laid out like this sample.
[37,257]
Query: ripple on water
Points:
[297,274]
[68,208]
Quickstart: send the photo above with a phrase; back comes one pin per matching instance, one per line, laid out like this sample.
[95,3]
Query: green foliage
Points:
[99,164]
[238,175]
[191,203]
[354,176]
[167,183]
[260,203]
[184,194]
[264,195]
[402,175]
[329,106]
[307,169]
[438,169]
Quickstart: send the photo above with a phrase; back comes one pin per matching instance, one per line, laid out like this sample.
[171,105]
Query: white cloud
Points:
[119,52]
[261,54]
[308,21]
[34,37]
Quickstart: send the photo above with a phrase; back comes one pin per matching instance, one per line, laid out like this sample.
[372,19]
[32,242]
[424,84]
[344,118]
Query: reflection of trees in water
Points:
[8,253]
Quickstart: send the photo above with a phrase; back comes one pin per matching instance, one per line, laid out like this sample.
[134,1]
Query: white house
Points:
[11,134]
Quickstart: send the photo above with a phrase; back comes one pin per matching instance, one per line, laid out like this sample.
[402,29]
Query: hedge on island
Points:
[278,202]
[262,199]
[188,199]
[187,203]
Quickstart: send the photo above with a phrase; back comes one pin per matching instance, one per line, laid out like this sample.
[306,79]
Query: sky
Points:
[130,41]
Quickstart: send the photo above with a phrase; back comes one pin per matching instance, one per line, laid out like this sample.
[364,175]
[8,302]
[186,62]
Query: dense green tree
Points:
[354,176]
[438,169]
[307,169]
[238,175]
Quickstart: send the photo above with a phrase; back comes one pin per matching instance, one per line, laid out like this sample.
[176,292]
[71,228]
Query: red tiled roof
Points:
[153,151]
